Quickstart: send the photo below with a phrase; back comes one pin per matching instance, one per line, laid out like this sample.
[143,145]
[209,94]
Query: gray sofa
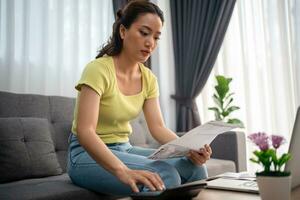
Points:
[34,132]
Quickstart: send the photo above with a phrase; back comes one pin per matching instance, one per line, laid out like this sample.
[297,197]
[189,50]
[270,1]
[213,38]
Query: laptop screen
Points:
[293,165]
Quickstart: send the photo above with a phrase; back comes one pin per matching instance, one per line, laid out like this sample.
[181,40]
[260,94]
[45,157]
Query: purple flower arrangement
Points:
[267,154]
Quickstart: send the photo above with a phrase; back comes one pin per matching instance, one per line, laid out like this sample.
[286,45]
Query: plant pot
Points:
[274,187]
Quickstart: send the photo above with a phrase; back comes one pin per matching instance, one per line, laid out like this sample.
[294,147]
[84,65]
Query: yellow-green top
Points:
[116,109]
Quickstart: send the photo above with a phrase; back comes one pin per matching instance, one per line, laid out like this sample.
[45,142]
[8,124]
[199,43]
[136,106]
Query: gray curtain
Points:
[198,28]
[118,4]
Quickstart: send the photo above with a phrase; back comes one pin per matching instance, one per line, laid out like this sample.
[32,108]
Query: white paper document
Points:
[194,139]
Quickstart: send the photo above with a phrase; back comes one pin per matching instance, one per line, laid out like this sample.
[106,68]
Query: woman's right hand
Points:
[133,177]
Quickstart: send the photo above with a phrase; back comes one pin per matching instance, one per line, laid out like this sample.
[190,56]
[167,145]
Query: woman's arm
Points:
[88,111]
[163,135]
[156,123]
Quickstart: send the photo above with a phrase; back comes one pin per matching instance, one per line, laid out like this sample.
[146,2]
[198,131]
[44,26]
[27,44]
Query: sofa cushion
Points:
[26,149]
[219,166]
[53,187]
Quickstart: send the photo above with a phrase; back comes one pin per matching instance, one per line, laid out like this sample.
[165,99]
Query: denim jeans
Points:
[86,173]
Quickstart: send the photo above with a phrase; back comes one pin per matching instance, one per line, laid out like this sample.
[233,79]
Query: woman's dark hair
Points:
[126,17]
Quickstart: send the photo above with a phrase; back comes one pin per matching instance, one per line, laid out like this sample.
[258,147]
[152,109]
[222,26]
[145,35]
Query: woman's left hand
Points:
[201,156]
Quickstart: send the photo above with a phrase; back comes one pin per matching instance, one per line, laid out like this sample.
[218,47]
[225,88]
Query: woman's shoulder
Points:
[105,61]
[101,64]
[147,72]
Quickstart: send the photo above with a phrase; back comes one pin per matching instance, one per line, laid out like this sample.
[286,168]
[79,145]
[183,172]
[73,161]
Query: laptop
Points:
[293,165]
[184,191]
[250,186]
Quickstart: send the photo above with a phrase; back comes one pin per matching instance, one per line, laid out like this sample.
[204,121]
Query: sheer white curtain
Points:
[45,44]
[162,62]
[261,53]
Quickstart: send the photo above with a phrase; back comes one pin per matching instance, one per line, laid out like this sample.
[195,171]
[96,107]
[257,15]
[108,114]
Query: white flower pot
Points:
[274,187]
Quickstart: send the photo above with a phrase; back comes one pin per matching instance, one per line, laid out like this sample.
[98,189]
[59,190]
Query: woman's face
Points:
[141,38]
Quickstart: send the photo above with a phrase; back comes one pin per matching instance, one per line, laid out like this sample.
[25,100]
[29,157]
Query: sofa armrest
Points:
[231,146]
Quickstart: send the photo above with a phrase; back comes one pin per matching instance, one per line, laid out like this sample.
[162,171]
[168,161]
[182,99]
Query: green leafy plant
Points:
[267,156]
[223,99]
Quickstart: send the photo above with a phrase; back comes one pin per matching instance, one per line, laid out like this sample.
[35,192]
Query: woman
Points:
[113,90]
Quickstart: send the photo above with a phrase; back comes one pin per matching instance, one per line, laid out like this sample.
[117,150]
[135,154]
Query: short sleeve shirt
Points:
[116,110]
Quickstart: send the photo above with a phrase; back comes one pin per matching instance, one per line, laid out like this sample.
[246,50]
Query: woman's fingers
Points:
[160,181]
[156,180]
[199,158]
[133,186]
[146,181]
[149,179]
[195,158]
[205,153]
[208,149]
[196,161]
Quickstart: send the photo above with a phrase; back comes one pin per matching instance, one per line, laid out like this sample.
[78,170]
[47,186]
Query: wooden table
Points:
[212,194]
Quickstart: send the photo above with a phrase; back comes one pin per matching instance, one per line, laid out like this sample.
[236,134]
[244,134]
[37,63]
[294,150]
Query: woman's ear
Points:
[122,31]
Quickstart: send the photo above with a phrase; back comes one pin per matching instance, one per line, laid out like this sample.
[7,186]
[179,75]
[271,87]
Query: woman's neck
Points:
[125,65]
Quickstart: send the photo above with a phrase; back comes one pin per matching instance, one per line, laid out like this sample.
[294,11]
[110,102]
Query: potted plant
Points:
[223,99]
[273,182]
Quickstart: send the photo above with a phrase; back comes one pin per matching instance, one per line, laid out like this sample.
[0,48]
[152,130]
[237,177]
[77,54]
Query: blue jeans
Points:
[86,173]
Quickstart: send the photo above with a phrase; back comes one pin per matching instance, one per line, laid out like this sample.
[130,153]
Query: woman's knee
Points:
[189,171]
[199,173]
[168,173]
